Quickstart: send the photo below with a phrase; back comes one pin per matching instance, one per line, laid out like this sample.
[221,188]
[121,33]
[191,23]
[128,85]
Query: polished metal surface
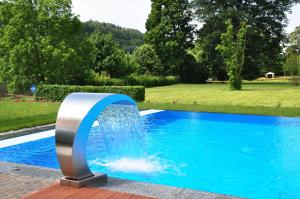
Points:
[75,118]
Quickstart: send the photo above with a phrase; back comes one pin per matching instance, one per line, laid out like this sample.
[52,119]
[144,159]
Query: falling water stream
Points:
[120,137]
[122,129]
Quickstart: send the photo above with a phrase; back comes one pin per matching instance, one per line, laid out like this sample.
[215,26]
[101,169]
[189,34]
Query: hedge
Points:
[101,80]
[133,80]
[59,92]
[151,81]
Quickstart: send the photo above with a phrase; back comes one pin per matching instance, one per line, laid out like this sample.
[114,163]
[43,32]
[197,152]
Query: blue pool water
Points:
[241,155]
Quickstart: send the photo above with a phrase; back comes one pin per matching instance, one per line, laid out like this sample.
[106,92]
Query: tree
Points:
[292,62]
[292,66]
[263,49]
[170,32]
[148,62]
[193,71]
[108,56]
[232,48]
[209,56]
[41,42]
[294,42]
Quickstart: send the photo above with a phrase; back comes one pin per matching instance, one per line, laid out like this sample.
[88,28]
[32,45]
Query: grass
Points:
[289,112]
[259,97]
[24,112]
[273,95]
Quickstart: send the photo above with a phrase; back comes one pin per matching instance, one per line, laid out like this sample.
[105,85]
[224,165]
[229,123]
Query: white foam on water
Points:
[133,165]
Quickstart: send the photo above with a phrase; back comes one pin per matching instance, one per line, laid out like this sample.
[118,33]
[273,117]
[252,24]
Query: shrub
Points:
[295,80]
[3,89]
[103,79]
[59,92]
[151,81]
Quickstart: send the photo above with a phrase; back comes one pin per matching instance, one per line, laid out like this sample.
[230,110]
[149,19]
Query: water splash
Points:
[150,165]
[132,165]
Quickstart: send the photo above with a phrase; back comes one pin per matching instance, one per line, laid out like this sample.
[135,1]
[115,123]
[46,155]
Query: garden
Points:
[206,102]
[101,57]
[277,97]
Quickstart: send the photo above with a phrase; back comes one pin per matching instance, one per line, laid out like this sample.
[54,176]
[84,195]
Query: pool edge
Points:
[114,184]
[41,132]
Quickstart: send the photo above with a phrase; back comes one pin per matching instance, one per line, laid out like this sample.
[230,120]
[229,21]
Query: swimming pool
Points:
[242,155]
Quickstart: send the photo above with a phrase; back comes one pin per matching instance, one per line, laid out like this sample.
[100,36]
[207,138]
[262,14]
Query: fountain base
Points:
[96,178]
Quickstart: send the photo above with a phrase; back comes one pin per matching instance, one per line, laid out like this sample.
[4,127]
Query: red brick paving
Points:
[61,192]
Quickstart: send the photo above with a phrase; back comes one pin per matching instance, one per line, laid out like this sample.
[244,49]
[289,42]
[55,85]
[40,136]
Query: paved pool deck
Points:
[17,180]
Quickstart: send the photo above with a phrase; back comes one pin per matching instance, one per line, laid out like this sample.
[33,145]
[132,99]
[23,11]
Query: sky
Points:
[134,13]
[294,19]
[125,13]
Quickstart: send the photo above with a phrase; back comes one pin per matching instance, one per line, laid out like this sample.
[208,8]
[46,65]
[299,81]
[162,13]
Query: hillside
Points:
[128,38]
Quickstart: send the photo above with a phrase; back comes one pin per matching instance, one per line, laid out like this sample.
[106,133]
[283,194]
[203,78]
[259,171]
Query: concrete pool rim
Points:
[114,184]
[27,135]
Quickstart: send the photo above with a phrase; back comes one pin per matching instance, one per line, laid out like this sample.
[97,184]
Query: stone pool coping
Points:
[25,131]
[115,184]
[37,129]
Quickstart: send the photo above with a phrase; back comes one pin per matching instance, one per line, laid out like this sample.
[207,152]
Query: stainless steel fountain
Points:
[75,118]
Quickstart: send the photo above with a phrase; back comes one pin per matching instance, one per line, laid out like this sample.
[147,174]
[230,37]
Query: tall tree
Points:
[232,48]
[41,42]
[292,66]
[267,20]
[292,62]
[170,32]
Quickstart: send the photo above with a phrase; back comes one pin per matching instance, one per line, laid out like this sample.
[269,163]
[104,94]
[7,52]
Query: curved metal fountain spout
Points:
[75,118]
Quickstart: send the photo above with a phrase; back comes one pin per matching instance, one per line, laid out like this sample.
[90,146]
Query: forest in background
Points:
[43,42]
[129,39]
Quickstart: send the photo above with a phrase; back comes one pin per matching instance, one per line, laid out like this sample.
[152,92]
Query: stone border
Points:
[114,184]
[25,131]
[36,129]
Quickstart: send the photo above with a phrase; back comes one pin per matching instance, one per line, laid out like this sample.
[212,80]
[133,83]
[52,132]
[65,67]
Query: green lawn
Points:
[253,95]
[22,113]
[263,98]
